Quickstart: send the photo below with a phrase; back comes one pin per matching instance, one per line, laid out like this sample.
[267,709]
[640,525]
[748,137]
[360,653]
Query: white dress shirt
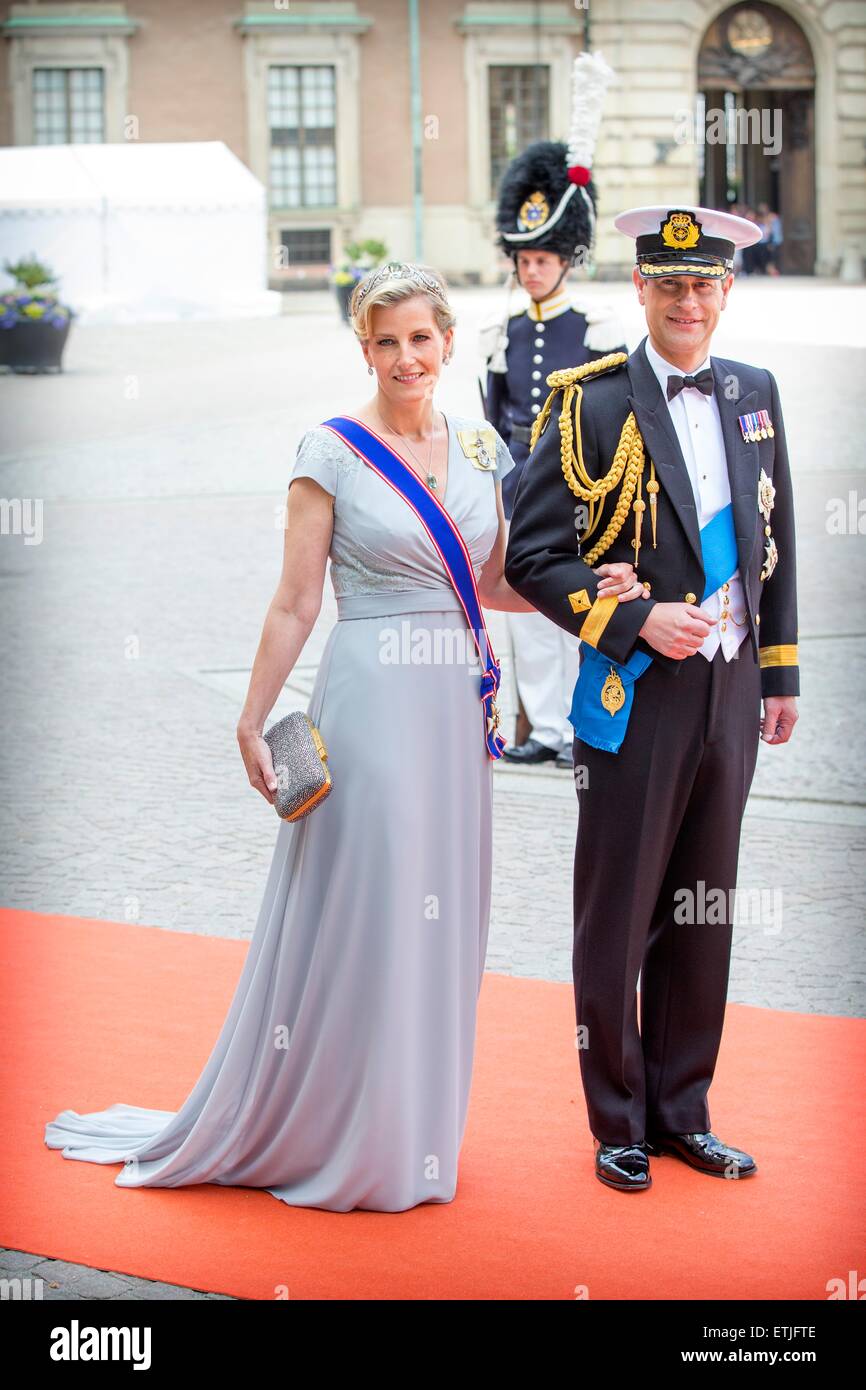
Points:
[698,426]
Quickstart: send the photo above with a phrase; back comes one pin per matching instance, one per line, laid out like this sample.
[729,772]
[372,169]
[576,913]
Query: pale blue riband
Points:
[592,723]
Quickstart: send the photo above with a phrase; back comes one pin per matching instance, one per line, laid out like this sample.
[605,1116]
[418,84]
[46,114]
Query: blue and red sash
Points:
[450,547]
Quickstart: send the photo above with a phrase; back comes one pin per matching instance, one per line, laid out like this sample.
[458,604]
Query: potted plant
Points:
[34,325]
[360,257]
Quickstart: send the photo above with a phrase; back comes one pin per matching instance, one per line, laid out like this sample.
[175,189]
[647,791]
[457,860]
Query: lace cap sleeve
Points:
[318,458]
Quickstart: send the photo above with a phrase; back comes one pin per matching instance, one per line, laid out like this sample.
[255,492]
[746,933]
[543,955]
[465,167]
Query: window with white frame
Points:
[302,119]
[68,106]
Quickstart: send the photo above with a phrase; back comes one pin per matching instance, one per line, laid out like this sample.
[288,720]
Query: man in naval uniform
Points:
[682,459]
[546,224]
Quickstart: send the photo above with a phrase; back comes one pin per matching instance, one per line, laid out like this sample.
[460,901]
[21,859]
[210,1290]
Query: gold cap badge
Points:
[681,231]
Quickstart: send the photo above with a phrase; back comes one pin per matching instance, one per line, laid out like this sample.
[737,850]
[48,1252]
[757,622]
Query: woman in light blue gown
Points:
[341,1076]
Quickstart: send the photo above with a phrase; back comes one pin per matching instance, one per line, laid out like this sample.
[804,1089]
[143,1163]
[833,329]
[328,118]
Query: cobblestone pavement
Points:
[161,457]
[34,1277]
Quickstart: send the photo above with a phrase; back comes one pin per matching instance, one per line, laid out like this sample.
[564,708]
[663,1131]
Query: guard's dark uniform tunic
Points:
[662,814]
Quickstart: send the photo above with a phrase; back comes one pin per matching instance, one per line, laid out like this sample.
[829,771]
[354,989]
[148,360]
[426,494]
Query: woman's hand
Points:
[620,579]
[258,761]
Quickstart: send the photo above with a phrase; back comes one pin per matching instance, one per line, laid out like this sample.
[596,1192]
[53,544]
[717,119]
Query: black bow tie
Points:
[703,382]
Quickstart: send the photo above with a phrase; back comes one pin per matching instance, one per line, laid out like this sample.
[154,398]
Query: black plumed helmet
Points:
[540,207]
[547,199]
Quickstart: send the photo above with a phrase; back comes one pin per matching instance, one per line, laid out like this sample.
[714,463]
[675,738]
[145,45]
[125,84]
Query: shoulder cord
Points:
[627,466]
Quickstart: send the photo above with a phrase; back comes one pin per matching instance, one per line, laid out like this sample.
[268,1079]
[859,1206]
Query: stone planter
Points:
[33,347]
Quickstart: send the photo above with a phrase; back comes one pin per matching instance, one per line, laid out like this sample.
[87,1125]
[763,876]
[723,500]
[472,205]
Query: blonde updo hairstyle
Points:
[395,289]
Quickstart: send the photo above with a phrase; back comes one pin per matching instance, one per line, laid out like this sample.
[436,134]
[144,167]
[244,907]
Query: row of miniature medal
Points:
[755,426]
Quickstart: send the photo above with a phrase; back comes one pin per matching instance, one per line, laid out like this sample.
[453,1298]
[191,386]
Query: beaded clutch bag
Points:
[300,763]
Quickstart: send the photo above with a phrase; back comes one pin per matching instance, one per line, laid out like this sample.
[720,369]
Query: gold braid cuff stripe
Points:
[778,656]
[598,618]
[628,461]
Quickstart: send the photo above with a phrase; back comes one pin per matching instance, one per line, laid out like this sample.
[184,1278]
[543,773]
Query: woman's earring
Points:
[369,371]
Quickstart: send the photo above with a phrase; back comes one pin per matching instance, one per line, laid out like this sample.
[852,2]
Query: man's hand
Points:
[780,716]
[676,629]
[620,579]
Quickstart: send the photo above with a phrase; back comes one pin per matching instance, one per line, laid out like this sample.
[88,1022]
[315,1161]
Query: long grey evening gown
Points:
[341,1075]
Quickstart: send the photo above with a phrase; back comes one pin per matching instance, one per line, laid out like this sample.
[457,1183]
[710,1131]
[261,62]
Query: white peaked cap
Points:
[644,221]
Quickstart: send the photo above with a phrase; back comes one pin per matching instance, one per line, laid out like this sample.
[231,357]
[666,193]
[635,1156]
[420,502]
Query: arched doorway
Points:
[756,125]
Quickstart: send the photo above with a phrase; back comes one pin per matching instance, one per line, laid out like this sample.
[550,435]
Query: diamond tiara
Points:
[398,270]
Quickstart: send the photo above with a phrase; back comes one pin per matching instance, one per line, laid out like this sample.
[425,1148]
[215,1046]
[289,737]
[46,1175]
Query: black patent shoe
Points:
[530,752]
[704,1152]
[623,1166]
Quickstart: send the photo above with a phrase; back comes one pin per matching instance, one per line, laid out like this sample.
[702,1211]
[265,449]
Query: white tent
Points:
[138,232]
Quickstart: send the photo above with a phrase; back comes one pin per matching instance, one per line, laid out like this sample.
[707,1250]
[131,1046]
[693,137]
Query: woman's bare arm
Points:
[290,618]
[493,588]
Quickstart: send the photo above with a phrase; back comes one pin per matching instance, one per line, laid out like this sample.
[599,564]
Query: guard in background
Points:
[682,461]
[546,223]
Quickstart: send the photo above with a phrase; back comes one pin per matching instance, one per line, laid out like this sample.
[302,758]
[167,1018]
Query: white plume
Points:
[590,78]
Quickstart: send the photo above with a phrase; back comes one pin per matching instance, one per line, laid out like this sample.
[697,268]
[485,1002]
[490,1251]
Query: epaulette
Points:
[610,362]
[625,472]
[604,332]
[492,342]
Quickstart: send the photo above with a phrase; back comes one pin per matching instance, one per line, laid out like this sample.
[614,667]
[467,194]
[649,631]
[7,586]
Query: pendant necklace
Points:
[431,479]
